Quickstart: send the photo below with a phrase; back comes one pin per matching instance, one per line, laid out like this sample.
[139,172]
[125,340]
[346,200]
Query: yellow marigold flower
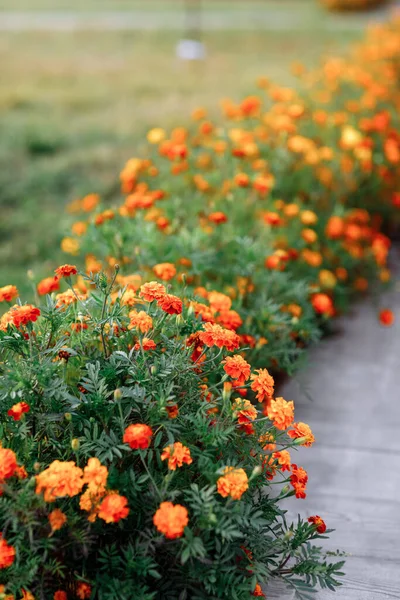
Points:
[233,483]
[156,135]
[70,246]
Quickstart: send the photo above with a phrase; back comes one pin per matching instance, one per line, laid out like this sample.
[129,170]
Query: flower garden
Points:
[144,444]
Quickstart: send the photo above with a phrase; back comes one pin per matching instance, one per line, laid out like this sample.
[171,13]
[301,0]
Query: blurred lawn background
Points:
[75,105]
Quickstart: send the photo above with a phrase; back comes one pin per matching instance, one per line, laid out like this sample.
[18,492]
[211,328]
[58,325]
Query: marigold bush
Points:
[281,206]
[155,468]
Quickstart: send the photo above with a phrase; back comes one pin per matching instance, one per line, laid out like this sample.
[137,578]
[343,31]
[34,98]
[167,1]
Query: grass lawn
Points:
[75,106]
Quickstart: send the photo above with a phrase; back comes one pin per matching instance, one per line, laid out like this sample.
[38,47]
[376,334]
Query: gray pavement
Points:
[354,467]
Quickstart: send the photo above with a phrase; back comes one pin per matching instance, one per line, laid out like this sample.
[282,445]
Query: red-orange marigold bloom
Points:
[230,319]
[8,293]
[322,304]
[386,317]
[140,320]
[83,590]
[170,304]
[219,302]
[59,479]
[171,519]
[152,291]
[245,410]
[48,285]
[18,410]
[172,411]
[281,413]
[258,591]
[318,522]
[113,508]
[66,271]
[138,436]
[215,335]
[165,271]
[60,595]
[234,482]
[299,479]
[7,554]
[302,430]
[8,463]
[263,385]
[22,315]
[237,368]
[217,217]
[57,519]
[147,344]
[177,454]
[283,458]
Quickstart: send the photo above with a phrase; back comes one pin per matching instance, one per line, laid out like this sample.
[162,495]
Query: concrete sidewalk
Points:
[354,467]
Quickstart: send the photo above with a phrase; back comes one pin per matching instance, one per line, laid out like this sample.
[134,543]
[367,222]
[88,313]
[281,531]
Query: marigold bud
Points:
[75,444]
[68,416]
[117,395]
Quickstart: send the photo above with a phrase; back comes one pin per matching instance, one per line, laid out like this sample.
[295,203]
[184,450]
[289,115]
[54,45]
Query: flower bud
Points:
[68,416]
[75,444]
[256,472]
[153,369]
[117,395]
[37,466]
[226,393]
[300,441]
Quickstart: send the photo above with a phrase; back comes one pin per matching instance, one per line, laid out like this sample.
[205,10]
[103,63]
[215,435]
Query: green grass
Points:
[75,106]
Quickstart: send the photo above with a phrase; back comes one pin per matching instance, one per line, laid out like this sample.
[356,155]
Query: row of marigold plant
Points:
[144,452]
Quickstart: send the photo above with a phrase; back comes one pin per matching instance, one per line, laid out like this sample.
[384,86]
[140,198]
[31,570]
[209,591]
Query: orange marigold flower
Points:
[263,385]
[113,508]
[302,430]
[177,454]
[147,344]
[233,483]
[83,590]
[215,335]
[258,591]
[322,304]
[386,317]
[299,479]
[172,411]
[7,554]
[22,315]
[48,285]
[138,436]
[245,411]
[90,500]
[140,320]
[219,302]
[59,479]
[318,522]
[26,595]
[152,291]
[8,463]
[17,410]
[21,472]
[218,217]
[66,271]
[237,368]
[170,304]
[230,319]
[8,293]
[171,519]
[165,271]
[60,595]
[69,297]
[57,519]
[283,458]
[95,474]
[281,413]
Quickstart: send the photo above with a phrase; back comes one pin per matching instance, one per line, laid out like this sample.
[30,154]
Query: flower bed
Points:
[143,445]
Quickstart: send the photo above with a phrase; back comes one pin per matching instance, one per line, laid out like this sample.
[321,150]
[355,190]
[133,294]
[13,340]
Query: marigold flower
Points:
[233,483]
[113,508]
[140,320]
[263,385]
[299,479]
[318,522]
[22,315]
[217,217]
[281,413]
[165,271]
[170,304]
[172,411]
[59,479]
[8,463]
[258,591]
[60,595]
[69,297]
[219,302]
[386,317]
[283,458]
[245,411]
[66,271]
[83,590]
[7,554]
[302,430]
[237,368]
[17,410]
[152,291]
[8,293]
[215,335]
[138,436]
[57,519]
[48,285]
[147,344]
[230,319]
[322,304]
[171,519]
[177,454]
[95,474]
